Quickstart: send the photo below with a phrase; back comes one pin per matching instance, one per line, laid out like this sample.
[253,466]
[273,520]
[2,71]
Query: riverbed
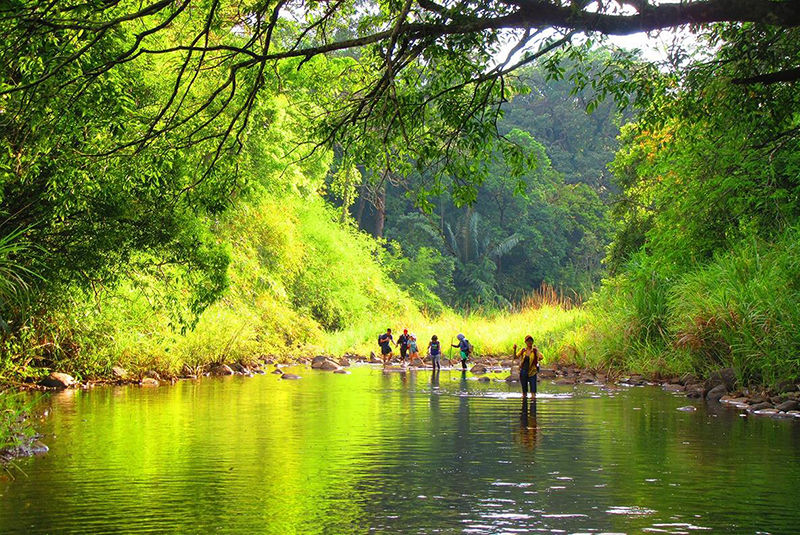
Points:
[411,452]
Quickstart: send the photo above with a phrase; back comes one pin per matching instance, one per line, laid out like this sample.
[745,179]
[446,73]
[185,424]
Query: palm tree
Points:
[477,260]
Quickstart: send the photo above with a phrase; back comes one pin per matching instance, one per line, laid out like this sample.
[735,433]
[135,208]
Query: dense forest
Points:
[184,183]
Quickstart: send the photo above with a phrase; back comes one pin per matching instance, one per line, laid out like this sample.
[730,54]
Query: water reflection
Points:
[399,451]
[528,426]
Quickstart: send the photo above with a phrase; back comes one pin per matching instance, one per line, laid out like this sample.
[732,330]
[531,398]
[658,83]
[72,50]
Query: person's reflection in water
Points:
[435,379]
[528,426]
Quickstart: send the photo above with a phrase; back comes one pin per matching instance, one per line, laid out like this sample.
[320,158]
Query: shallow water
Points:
[399,452]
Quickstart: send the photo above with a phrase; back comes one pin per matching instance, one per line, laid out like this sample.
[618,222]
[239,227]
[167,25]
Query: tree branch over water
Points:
[414,53]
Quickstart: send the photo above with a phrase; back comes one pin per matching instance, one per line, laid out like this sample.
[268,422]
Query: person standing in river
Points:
[465,348]
[529,356]
[385,341]
[435,351]
[402,343]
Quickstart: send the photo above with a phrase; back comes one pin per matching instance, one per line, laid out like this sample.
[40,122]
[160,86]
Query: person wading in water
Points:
[402,343]
[529,356]
[385,341]
[465,348]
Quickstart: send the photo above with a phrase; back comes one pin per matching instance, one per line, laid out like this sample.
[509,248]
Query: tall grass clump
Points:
[738,310]
[741,310]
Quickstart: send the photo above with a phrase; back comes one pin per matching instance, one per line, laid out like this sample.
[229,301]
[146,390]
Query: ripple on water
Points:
[630,510]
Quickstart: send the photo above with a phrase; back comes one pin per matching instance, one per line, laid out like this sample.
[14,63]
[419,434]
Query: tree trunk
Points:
[361,202]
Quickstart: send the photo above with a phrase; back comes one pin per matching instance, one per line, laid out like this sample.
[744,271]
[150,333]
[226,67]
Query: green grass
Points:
[739,310]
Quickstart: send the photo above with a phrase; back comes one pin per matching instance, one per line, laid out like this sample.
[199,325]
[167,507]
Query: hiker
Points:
[413,350]
[465,348]
[385,341]
[529,356]
[402,343]
[435,351]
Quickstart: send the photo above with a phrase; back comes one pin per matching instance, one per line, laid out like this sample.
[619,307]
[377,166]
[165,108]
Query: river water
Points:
[399,453]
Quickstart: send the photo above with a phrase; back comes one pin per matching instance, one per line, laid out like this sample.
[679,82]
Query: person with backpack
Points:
[385,340]
[530,357]
[403,342]
[435,351]
[465,349]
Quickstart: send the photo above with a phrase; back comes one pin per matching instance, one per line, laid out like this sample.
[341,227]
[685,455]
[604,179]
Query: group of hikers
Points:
[529,356]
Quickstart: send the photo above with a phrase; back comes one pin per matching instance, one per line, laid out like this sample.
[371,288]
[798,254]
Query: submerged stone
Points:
[687,408]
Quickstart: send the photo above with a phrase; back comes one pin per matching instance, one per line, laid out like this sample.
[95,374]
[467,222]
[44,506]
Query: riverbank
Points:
[718,388]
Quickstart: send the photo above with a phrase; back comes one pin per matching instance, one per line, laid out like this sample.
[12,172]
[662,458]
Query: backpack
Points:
[379,339]
[469,347]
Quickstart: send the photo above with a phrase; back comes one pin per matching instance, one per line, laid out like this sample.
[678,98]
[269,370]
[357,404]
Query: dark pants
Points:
[403,350]
[528,382]
[464,363]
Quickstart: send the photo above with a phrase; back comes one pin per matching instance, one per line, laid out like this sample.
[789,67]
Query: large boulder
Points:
[152,374]
[725,376]
[316,362]
[221,369]
[238,368]
[328,366]
[58,380]
[716,393]
[120,374]
[790,405]
[478,369]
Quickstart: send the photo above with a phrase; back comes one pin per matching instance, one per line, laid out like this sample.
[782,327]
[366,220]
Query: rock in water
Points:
[58,380]
[149,381]
[760,406]
[119,373]
[344,362]
[238,368]
[418,362]
[687,408]
[290,376]
[790,405]
[716,393]
[341,371]
[277,371]
[725,376]
[328,366]
[222,369]
[152,374]
[316,362]
[478,369]
[483,379]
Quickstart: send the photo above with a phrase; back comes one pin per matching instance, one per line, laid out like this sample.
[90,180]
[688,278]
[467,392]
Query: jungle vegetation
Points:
[184,182]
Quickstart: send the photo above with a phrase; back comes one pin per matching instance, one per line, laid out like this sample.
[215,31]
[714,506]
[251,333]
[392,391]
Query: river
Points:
[399,453]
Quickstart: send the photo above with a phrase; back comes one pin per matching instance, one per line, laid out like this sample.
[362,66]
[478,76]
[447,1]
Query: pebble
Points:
[687,408]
